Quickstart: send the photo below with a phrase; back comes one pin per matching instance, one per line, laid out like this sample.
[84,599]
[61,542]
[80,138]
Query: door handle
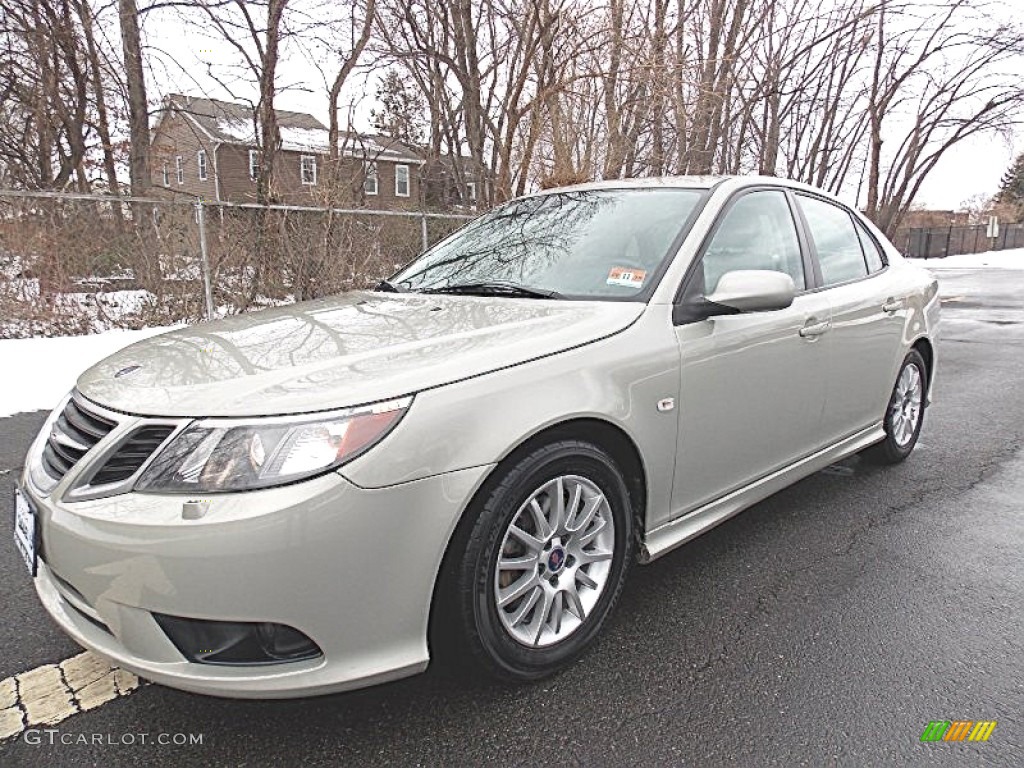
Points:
[892,305]
[813,330]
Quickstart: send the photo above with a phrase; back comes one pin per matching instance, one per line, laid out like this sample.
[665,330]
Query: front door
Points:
[752,385]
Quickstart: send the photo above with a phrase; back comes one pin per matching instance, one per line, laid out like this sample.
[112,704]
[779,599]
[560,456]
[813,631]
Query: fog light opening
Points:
[236,642]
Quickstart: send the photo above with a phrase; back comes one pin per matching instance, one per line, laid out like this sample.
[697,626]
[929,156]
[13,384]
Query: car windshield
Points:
[592,244]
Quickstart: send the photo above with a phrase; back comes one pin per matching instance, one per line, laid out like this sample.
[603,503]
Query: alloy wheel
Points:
[554,561]
[906,405]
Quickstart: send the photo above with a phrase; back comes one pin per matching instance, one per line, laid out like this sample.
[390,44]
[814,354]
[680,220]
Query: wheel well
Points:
[610,438]
[924,348]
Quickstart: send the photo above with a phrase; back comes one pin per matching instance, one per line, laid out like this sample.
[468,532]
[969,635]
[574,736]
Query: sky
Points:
[185,60]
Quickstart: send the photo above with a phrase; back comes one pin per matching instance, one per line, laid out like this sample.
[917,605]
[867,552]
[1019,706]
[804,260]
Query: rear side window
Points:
[757,232]
[872,253]
[835,239]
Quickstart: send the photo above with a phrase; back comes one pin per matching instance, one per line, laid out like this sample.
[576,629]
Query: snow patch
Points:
[1009,259]
[39,372]
[241,130]
[304,139]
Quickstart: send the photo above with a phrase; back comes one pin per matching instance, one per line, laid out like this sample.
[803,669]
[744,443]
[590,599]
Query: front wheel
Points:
[904,414]
[543,564]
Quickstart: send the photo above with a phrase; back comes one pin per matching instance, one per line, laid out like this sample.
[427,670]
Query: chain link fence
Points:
[937,242]
[74,264]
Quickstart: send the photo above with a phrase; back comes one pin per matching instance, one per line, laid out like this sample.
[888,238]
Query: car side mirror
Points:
[742,290]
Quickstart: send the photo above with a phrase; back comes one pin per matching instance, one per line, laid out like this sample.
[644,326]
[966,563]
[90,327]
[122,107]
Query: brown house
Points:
[207,148]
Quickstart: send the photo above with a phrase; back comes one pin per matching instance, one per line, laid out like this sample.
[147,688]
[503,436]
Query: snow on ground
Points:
[39,372]
[1011,259]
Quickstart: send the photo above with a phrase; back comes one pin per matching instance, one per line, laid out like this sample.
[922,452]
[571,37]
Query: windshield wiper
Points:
[496,288]
[386,286]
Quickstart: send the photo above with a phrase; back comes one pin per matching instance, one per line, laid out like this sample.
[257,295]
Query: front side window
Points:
[179,169]
[201,164]
[254,164]
[835,240]
[166,176]
[593,244]
[307,168]
[757,232]
[471,191]
[370,178]
[401,180]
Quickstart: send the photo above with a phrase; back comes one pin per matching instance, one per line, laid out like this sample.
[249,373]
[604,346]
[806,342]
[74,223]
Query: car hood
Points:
[341,351]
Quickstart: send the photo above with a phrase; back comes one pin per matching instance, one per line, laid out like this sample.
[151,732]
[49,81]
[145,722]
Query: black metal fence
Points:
[937,242]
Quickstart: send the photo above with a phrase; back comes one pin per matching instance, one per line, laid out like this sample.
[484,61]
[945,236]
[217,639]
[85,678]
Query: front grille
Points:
[131,454]
[74,432]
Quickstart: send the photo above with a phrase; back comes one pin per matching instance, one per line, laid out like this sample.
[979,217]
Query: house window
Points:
[167,176]
[179,169]
[370,178]
[201,164]
[307,169]
[401,181]
[254,164]
[471,191]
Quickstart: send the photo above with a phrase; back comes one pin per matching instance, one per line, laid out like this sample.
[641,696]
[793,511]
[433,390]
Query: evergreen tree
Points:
[401,115]
[1011,188]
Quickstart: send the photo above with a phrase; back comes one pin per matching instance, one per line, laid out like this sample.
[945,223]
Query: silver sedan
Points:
[465,462]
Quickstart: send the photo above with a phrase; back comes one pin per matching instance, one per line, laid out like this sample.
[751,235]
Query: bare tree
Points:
[941,75]
[138,105]
[360,36]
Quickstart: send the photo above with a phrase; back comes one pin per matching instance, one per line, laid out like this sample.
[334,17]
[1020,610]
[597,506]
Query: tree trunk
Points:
[138,106]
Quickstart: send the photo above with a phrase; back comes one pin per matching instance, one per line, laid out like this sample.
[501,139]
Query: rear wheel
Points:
[542,565]
[904,414]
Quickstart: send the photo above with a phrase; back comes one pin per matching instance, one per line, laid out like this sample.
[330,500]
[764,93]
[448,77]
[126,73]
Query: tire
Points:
[510,642]
[908,393]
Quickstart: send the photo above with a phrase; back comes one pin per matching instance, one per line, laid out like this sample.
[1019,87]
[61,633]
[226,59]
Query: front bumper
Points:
[352,568]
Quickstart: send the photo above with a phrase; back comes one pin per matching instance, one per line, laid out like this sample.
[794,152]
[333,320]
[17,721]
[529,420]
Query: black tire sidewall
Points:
[489,640]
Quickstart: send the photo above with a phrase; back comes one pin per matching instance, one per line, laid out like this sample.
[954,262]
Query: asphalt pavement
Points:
[825,626]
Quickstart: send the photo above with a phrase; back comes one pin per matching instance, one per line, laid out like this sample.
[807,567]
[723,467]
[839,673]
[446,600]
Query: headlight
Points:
[214,455]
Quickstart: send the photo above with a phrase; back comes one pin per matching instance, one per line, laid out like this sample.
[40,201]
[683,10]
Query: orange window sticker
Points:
[630,278]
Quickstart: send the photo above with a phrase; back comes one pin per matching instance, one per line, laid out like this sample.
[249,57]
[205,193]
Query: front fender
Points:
[481,420]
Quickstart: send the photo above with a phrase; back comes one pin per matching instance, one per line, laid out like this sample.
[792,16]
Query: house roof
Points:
[234,123]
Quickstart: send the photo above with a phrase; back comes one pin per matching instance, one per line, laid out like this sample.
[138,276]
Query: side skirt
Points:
[675,533]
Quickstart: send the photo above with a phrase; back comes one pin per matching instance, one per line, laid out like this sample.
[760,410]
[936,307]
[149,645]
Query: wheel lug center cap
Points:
[556,560]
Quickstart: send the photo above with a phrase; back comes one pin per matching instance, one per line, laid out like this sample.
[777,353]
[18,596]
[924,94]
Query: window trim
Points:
[254,158]
[811,283]
[302,170]
[201,165]
[810,241]
[369,165]
[179,170]
[471,195]
[408,181]
[166,175]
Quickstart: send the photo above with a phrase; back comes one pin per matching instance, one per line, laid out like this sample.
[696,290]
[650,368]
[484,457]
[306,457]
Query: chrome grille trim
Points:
[58,466]
[75,431]
[84,488]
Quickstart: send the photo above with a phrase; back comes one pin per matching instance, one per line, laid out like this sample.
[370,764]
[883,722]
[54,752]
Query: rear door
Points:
[868,315]
[752,385]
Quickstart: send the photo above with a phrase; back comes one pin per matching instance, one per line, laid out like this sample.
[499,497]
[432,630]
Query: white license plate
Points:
[25,530]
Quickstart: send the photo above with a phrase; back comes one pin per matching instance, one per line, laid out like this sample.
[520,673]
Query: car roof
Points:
[682,182]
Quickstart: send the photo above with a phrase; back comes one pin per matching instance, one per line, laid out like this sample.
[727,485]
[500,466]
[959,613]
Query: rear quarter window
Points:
[873,255]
